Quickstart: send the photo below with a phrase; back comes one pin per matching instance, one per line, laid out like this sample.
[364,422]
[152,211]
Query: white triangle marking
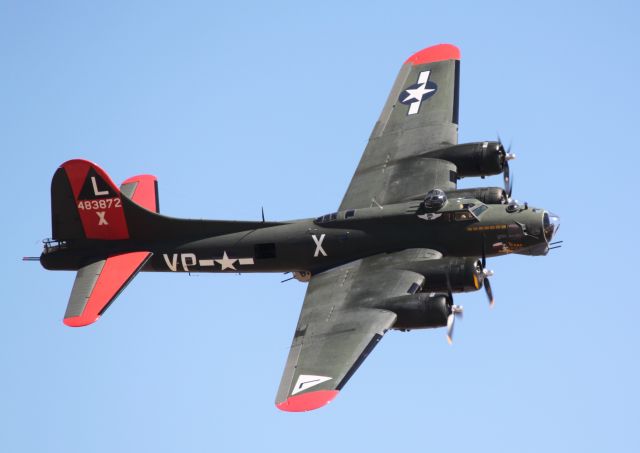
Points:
[306,381]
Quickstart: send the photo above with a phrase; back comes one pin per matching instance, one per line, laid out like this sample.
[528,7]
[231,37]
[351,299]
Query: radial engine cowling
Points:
[419,311]
[474,159]
[456,274]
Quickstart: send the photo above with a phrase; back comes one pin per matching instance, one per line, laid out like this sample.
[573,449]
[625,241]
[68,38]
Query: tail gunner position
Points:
[403,240]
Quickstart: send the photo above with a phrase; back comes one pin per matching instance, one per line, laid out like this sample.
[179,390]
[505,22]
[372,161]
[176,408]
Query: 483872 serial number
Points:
[104,203]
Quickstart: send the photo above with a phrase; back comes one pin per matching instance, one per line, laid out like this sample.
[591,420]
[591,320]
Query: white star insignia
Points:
[418,93]
[226,262]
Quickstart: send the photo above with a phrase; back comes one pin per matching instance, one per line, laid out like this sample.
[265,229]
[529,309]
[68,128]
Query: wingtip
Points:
[80,321]
[440,52]
[307,401]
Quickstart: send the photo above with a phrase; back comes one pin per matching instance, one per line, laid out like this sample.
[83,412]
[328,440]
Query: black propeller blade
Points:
[487,273]
[487,289]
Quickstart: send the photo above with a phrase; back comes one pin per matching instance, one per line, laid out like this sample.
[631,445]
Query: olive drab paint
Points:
[402,242]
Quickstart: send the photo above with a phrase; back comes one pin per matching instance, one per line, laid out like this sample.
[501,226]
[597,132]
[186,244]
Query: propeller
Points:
[506,171]
[486,274]
[487,289]
[456,310]
[508,179]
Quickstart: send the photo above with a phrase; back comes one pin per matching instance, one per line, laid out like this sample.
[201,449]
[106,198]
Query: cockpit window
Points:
[478,210]
[327,217]
[464,215]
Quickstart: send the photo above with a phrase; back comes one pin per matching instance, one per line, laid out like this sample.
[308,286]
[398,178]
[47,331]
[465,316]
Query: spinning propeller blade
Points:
[456,310]
[487,289]
[487,273]
[506,172]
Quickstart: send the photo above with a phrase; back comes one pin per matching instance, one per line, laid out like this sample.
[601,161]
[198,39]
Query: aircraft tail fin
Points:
[86,204]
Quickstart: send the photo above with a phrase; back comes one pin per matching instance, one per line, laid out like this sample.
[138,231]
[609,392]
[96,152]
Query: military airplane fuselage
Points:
[462,227]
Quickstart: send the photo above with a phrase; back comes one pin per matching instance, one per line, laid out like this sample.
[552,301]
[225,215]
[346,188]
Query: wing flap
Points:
[98,284]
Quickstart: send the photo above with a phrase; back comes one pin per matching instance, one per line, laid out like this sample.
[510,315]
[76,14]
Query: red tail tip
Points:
[440,52]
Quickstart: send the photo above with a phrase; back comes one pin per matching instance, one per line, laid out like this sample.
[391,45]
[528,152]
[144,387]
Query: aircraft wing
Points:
[420,115]
[340,325]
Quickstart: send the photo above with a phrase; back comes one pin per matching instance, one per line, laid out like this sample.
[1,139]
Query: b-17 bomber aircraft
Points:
[402,241]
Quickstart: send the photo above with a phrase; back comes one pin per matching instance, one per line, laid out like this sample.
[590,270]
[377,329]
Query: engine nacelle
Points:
[419,311]
[474,159]
[463,274]
[487,195]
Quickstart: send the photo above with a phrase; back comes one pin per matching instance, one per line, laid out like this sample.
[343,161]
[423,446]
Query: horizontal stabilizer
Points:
[98,284]
[143,189]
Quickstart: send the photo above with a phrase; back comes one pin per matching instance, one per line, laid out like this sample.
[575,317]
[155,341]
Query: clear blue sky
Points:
[238,105]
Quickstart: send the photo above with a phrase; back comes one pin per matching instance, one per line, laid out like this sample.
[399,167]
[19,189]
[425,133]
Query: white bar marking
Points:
[424,77]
